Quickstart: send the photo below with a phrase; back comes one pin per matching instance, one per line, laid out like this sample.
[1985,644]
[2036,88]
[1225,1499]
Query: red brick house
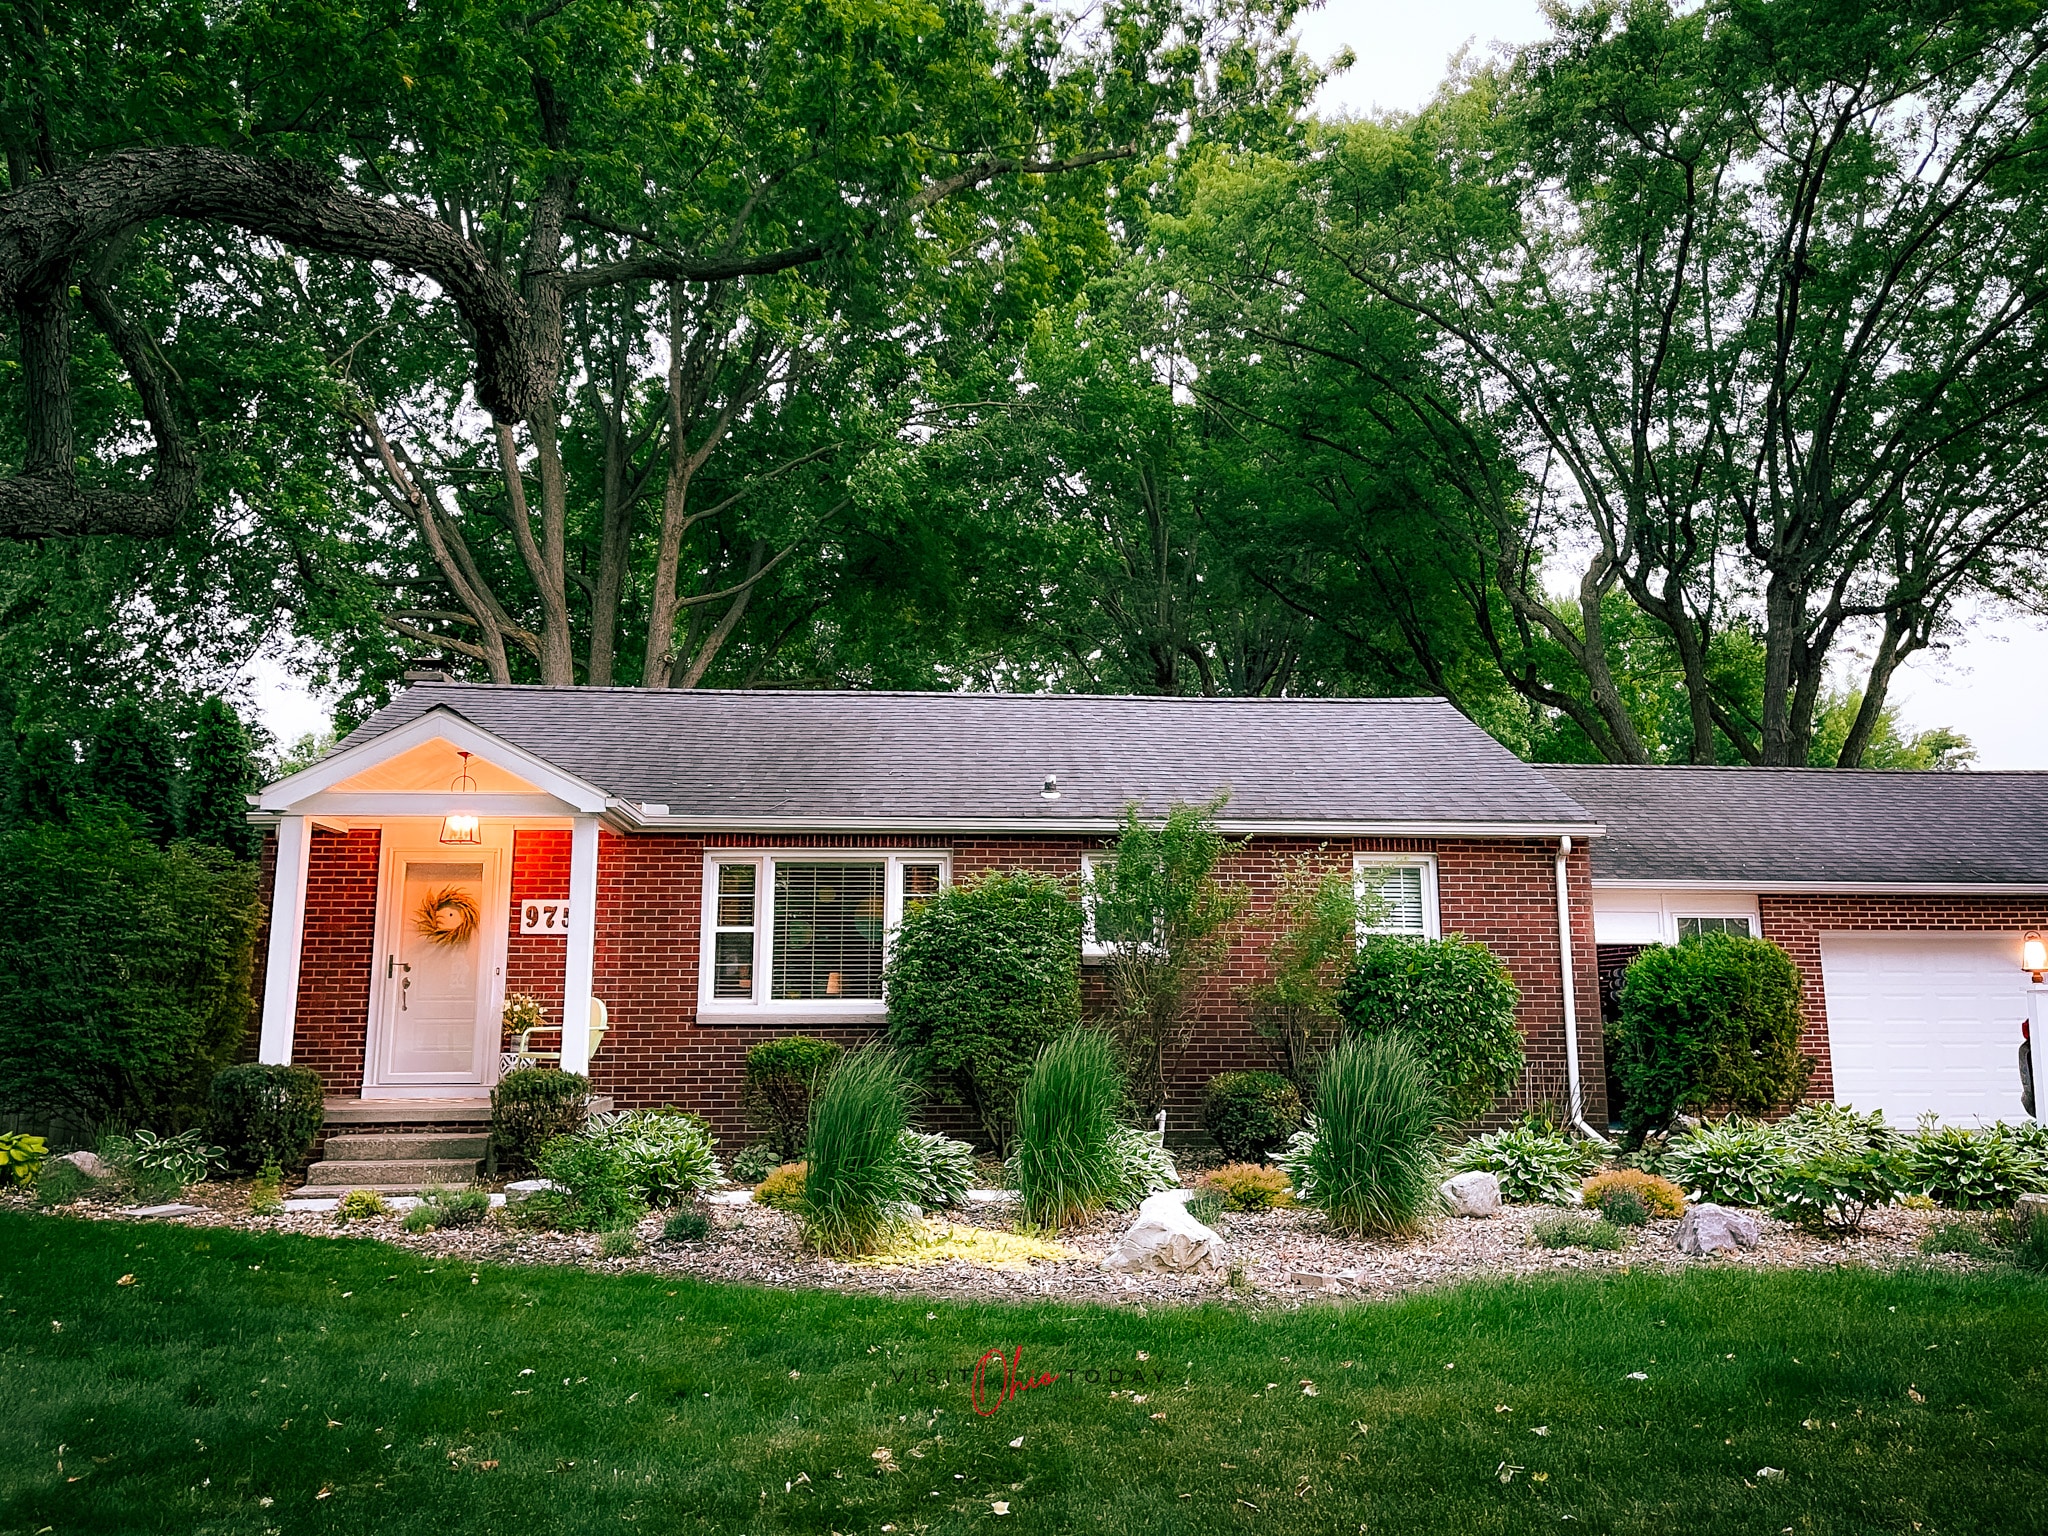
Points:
[717,868]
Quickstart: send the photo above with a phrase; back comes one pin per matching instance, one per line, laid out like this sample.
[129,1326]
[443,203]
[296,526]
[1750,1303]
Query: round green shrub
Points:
[533,1106]
[782,1075]
[1712,1023]
[261,1113]
[1250,1113]
[1453,1001]
[667,1152]
[983,976]
[594,1182]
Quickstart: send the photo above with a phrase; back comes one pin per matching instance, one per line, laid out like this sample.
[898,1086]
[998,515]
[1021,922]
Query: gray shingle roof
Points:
[1814,825]
[976,757]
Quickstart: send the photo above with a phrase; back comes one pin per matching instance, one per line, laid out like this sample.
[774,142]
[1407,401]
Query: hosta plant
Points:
[667,1153]
[156,1166]
[1735,1162]
[1534,1167]
[1970,1170]
[938,1170]
[1142,1165]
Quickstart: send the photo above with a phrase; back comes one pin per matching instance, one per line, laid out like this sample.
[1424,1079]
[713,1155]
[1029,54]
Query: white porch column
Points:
[287,939]
[581,959]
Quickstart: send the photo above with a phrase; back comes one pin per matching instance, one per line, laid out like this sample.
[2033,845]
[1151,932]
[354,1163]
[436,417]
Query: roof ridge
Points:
[574,689]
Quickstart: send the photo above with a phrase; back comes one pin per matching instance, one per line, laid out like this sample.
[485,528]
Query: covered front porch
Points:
[420,878]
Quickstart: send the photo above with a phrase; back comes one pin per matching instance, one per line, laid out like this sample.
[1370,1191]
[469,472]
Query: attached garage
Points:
[1903,899]
[1925,1022]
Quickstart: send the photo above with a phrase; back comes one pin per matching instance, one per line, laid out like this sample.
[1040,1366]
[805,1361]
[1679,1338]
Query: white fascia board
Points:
[445,724]
[1831,887]
[632,817]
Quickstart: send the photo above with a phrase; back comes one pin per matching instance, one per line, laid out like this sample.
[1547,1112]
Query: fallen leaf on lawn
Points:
[1017,1443]
[1506,1472]
[1638,1375]
[1540,1429]
[999,1506]
[1302,1489]
[125,1280]
[1158,1415]
[1765,1474]
[1914,1393]
[1308,1389]
[1539,1477]
[488,1466]
[1143,1356]
[323,1493]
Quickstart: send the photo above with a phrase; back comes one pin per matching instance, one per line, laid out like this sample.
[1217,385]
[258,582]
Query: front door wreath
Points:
[448,916]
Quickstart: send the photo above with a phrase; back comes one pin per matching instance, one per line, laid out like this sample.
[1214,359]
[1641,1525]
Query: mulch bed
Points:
[1277,1256]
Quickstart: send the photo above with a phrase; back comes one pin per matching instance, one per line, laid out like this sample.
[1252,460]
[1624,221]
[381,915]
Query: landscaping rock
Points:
[515,1193]
[1707,1229]
[1321,1280]
[91,1164]
[1474,1194]
[1166,1238]
[164,1210]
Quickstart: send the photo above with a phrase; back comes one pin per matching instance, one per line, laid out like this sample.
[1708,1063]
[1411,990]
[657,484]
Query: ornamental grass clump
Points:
[856,1169]
[1372,1157]
[1563,1231]
[1069,1162]
[1534,1166]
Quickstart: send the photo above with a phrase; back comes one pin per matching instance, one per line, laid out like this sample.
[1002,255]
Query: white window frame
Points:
[1680,919]
[761,1006]
[1093,948]
[1363,864]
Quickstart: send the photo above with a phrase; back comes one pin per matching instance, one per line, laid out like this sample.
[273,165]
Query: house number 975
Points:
[544,917]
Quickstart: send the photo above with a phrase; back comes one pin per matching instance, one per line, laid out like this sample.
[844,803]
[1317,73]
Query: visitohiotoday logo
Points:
[1000,1377]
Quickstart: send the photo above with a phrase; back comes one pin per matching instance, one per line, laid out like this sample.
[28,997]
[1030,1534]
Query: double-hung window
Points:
[1402,893]
[805,933]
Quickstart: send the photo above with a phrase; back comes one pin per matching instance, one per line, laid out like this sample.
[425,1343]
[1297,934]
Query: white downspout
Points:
[1571,997]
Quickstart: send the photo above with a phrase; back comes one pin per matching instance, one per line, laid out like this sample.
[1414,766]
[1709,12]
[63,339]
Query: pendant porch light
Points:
[460,826]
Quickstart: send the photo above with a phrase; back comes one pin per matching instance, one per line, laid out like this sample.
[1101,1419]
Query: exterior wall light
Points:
[2034,955]
[461,826]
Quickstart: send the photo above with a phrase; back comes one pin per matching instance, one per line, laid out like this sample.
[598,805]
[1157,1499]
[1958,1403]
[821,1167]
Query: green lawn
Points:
[256,1384]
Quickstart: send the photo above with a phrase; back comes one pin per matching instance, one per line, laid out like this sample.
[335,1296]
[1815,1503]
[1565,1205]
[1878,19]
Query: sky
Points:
[1991,683]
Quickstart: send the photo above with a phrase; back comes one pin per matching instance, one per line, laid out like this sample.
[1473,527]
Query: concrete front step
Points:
[403,1147]
[393,1174]
[336,1191]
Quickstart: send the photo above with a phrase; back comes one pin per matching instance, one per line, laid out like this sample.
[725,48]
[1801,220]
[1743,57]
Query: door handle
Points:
[404,987]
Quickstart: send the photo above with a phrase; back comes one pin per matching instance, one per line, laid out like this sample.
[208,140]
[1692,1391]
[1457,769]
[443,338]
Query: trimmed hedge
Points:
[261,1113]
[1712,1023]
[782,1076]
[1251,1114]
[532,1107]
[1453,1001]
[981,978]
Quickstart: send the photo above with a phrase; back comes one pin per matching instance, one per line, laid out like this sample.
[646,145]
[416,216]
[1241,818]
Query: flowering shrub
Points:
[1534,1167]
[1658,1197]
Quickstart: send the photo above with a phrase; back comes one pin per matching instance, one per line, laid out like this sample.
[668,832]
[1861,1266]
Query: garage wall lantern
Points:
[460,826]
[2034,956]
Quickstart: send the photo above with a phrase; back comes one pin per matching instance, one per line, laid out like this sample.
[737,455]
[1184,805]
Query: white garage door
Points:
[1926,1021]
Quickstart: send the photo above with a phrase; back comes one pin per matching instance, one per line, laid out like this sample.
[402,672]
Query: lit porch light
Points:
[2034,955]
[461,826]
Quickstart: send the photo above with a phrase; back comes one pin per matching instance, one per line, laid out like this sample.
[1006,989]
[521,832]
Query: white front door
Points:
[443,923]
[1926,1022]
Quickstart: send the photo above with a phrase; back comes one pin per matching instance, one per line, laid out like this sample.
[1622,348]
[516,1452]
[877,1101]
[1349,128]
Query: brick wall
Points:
[533,963]
[334,964]
[650,887]
[1796,922]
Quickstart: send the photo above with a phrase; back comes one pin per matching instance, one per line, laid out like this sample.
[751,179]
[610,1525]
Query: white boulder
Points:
[515,1193]
[1166,1238]
[1475,1194]
[1711,1228]
[91,1164]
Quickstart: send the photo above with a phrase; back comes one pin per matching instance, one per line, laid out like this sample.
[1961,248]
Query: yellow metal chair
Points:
[523,1054]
